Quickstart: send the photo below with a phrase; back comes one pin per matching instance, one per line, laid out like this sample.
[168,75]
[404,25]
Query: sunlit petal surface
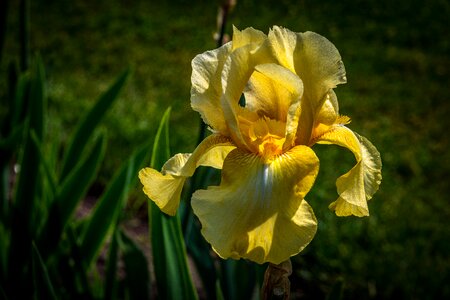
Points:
[267,99]
[165,188]
[206,88]
[358,185]
[258,211]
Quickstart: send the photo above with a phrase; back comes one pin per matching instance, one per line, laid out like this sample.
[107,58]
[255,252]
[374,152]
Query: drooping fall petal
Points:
[268,99]
[258,212]
[358,185]
[165,187]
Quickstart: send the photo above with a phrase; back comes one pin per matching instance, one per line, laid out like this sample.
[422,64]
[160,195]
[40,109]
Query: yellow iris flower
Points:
[263,146]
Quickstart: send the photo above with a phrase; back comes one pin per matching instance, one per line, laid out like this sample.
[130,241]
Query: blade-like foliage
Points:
[109,206]
[29,161]
[169,253]
[219,293]
[43,287]
[233,287]
[69,194]
[199,250]
[11,133]
[23,214]
[136,268]
[197,247]
[110,286]
[48,174]
[89,123]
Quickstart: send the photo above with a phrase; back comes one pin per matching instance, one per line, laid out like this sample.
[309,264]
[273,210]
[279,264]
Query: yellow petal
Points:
[319,65]
[327,117]
[164,188]
[275,92]
[358,185]
[283,43]
[258,211]
[247,36]
[237,70]
[271,89]
[207,88]
[329,111]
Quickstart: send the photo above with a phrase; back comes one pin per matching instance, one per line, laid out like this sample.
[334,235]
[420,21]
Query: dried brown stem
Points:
[276,281]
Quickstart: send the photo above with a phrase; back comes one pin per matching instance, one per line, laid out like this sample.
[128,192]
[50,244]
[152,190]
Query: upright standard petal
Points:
[358,185]
[164,188]
[283,43]
[236,73]
[275,92]
[319,65]
[247,36]
[262,212]
[207,88]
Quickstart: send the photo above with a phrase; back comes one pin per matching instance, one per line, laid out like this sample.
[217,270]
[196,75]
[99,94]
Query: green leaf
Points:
[51,180]
[109,206]
[43,287]
[169,253]
[15,125]
[11,141]
[25,219]
[238,279]
[198,248]
[136,268]
[161,147]
[20,102]
[12,133]
[88,123]
[29,162]
[4,246]
[200,253]
[76,184]
[70,194]
[111,268]
[219,293]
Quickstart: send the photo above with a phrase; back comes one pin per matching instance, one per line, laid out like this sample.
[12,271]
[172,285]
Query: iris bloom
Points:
[267,100]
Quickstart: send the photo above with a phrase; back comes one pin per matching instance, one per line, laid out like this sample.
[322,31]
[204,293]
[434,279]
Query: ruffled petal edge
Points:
[358,185]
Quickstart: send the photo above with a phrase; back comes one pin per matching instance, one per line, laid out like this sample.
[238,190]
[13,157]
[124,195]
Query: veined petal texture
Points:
[258,212]
[358,185]
[165,187]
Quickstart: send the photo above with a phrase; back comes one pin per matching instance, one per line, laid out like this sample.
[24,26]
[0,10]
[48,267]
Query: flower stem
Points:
[276,281]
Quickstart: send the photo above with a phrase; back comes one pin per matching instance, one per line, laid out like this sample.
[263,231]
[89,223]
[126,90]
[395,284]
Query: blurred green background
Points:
[396,54]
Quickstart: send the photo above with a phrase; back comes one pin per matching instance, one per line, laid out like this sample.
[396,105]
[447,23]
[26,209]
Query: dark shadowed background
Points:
[396,54]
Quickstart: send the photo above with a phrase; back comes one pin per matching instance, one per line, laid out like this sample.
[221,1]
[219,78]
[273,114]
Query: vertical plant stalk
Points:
[276,281]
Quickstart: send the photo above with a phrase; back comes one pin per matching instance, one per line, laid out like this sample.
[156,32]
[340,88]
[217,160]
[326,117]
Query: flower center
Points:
[264,136]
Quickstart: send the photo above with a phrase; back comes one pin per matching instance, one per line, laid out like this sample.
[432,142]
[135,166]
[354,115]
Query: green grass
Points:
[396,57]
